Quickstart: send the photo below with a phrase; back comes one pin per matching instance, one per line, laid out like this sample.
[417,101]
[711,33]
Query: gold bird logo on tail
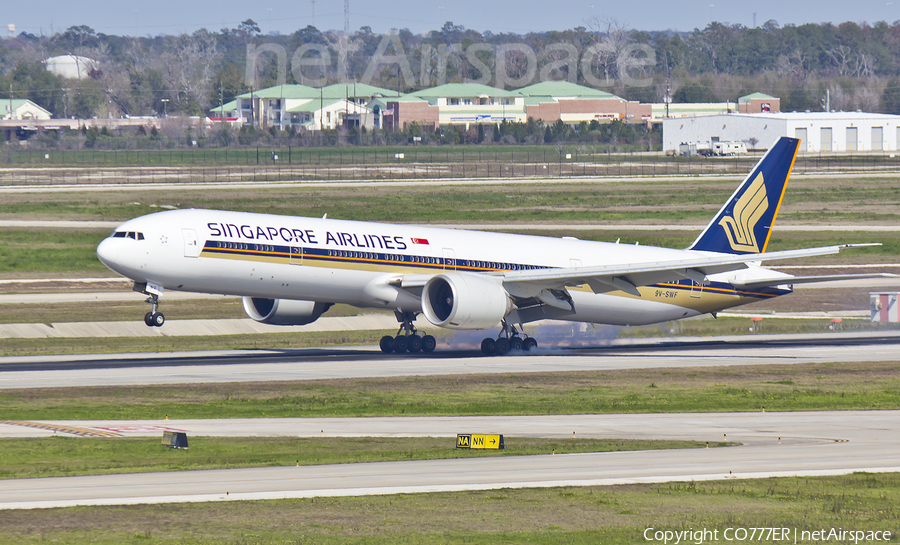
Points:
[747,212]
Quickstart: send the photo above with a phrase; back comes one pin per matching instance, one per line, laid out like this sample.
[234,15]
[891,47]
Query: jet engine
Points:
[464,301]
[283,311]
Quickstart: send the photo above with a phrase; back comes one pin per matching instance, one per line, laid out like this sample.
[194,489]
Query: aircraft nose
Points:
[107,253]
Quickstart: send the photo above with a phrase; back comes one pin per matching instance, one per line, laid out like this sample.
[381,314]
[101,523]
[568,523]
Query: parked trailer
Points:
[729,148]
[687,149]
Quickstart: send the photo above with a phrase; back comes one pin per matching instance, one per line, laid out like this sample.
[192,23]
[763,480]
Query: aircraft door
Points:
[191,245]
[696,289]
[296,255]
[449,259]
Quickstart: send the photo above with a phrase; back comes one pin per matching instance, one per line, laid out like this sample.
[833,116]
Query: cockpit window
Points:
[134,235]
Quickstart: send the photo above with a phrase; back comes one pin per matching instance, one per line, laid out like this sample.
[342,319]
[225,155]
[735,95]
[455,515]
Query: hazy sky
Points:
[141,18]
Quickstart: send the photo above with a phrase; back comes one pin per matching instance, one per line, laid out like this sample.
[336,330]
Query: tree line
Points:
[857,65]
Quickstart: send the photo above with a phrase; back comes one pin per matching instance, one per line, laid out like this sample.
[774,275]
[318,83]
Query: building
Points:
[22,109]
[71,66]
[459,104]
[268,107]
[330,114]
[398,113]
[753,103]
[552,101]
[758,103]
[818,131]
[225,112]
[295,105]
[690,109]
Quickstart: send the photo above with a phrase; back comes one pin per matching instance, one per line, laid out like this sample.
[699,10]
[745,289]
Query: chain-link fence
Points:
[292,164]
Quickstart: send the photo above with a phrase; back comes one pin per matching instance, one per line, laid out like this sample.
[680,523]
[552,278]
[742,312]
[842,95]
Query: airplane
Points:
[290,270]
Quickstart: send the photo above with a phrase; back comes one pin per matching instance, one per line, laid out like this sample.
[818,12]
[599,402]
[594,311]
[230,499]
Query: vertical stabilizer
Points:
[744,224]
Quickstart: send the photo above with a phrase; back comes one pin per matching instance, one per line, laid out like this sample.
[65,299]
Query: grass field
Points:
[26,251]
[67,456]
[861,200]
[858,201]
[834,386]
[578,516]
[107,311]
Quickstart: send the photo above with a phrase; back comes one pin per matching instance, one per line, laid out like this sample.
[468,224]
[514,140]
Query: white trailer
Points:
[729,148]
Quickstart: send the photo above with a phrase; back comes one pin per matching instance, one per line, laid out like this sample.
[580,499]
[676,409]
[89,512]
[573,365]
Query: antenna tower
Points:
[347,17]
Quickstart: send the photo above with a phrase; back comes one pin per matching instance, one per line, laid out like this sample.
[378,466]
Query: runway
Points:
[772,444]
[358,362]
[811,443]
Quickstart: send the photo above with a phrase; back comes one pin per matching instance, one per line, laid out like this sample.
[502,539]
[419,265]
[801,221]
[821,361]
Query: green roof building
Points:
[562,89]
[757,103]
[469,103]
[21,108]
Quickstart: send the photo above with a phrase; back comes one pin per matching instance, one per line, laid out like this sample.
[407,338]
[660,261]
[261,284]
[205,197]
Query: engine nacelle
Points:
[464,301]
[283,311]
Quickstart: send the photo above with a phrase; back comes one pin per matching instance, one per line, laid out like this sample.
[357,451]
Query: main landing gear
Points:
[154,318]
[407,339]
[507,340]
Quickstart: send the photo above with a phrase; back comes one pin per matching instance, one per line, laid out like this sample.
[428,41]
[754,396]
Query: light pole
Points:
[165,107]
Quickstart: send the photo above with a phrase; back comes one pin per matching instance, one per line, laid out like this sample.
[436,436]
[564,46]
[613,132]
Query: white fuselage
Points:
[358,263]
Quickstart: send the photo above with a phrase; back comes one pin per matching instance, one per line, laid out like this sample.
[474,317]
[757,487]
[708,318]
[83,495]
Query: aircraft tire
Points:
[516,344]
[158,319]
[529,344]
[501,346]
[414,343]
[429,343]
[400,344]
[147,319]
[487,347]
[386,344]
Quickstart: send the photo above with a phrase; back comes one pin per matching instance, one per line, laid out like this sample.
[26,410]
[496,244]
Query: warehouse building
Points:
[818,131]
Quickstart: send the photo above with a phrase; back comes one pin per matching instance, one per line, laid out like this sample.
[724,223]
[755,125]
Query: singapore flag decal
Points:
[420,241]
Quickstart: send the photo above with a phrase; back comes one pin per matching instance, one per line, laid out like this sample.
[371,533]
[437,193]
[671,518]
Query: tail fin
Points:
[744,224]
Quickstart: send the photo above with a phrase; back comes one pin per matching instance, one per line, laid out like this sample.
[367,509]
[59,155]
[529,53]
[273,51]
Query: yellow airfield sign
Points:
[479,441]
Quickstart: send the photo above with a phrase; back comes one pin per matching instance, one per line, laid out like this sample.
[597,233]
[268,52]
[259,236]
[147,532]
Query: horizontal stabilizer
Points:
[626,277]
[778,281]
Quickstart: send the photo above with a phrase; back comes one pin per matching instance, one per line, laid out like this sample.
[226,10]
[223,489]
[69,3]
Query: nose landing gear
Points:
[154,318]
[508,339]
[407,338]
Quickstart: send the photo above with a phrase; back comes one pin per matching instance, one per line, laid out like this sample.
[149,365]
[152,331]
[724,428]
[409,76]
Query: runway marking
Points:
[137,429]
[81,432]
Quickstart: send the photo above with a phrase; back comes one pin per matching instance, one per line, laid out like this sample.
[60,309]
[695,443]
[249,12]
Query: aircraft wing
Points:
[627,277]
